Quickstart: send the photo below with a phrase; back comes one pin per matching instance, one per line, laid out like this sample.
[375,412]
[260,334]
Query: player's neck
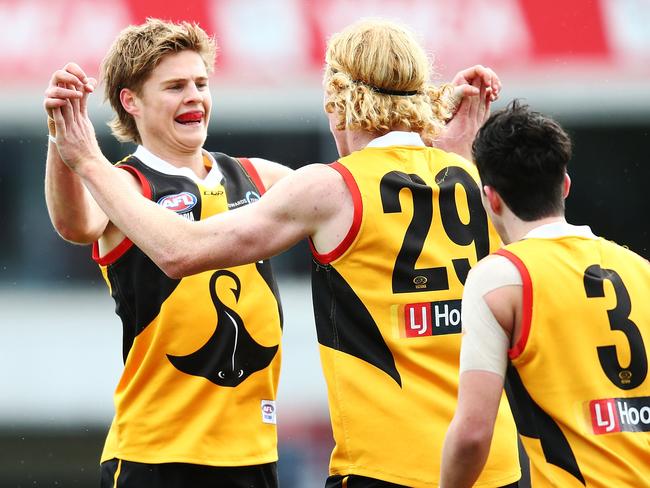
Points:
[355,140]
[517,229]
[191,158]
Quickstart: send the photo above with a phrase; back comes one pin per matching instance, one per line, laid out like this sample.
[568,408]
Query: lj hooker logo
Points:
[427,319]
[611,415]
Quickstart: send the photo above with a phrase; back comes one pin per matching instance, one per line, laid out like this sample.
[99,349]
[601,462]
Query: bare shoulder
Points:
[322,182]
[322,172]
[328,204]
[269,171]
[130,179]
[112,235]
[315,191]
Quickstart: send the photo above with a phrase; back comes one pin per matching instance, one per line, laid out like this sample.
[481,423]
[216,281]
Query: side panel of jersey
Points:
[388,316]
[578,384]
[202,354]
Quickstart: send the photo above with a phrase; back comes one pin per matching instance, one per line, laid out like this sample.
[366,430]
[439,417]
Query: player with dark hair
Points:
[559,313]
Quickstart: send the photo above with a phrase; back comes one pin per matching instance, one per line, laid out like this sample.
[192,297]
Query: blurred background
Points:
[586,62]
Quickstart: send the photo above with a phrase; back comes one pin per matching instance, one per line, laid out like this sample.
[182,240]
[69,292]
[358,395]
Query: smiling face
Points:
[172,109]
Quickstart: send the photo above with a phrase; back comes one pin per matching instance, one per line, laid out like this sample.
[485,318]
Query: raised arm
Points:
[303,204]
[73,212]
[476,88]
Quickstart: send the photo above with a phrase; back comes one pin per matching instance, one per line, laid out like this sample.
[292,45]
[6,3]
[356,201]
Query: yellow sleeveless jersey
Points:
[387,309]
[201,354]
[578,379]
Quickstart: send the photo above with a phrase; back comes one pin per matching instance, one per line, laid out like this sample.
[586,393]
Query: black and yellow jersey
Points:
[202,353]
[578,380]
[387,309]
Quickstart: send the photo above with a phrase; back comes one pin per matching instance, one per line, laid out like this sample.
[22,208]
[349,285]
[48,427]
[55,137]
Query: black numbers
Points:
[406,278]
[635,373]
[476,229]
[404,272]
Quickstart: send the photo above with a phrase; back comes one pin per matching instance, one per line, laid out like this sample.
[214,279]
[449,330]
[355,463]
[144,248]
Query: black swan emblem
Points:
[231,355]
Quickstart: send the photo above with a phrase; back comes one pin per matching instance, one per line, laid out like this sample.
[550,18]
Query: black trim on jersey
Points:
[236,180]
[535,423]
[138,286]
[239,184]
[230,355]
[344,323]
[265,270]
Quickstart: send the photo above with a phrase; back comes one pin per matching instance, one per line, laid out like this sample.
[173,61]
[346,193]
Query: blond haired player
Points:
[201,354]
[394,226]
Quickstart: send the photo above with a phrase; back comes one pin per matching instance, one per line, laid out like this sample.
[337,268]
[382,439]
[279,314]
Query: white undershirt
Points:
[397,138]
[213,177]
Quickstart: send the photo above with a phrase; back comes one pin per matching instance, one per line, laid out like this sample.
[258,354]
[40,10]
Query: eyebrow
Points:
[183,80]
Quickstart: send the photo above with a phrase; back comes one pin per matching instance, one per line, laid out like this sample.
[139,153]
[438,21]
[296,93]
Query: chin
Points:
[197,139]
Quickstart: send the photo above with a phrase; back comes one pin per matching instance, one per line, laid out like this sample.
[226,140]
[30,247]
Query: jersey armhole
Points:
[119,250]
[347,241]
[254,175]
[526,305]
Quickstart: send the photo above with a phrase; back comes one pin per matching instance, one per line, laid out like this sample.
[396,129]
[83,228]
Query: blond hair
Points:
[377,78]
[136,52]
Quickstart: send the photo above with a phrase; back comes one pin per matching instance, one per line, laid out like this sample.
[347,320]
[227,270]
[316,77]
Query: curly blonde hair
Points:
[377,78]
[136,52]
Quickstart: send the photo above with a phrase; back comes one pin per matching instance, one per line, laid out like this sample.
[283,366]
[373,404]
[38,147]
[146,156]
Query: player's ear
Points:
[129,99]
[567,185]
[493,199]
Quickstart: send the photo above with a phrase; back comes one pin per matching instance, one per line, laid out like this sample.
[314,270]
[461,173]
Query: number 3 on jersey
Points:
[631,376]
[406,277]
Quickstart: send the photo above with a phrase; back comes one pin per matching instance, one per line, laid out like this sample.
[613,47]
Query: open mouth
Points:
[190,118]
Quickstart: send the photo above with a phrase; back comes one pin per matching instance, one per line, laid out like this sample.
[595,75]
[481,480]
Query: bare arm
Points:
[489,315]
[270,172]
[248,234]
[73,212]
[306,203]
[467,442]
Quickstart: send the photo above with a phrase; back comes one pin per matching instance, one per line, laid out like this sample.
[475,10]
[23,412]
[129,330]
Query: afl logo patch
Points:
[268,412]
[179,202]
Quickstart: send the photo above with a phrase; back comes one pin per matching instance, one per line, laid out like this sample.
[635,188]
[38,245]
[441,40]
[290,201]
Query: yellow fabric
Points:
[560,367]
[383,429]
[164,415]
